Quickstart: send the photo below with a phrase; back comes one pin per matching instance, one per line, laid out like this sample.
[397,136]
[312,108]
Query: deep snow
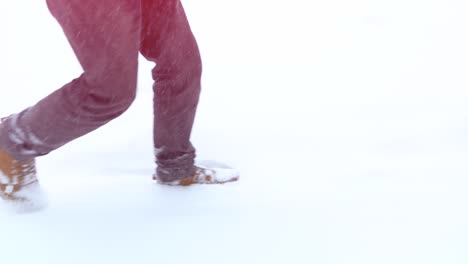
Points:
[347,119]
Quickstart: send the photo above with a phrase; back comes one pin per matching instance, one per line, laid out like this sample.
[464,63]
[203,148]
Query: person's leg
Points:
[168,41]
[105,35]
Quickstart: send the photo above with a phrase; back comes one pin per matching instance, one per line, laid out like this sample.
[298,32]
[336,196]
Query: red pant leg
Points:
[168,40]
[105,35]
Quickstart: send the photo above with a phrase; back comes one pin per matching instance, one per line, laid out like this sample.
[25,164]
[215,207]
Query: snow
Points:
[35,199]
[347,120]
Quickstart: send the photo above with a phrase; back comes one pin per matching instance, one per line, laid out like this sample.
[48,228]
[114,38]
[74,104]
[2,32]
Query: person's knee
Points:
[118,99]
[111,96]
[185,67]
[196,64]
[192,64]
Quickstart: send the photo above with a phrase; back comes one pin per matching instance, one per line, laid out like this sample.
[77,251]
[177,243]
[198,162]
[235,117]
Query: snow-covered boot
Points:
[206,172]
[19,186]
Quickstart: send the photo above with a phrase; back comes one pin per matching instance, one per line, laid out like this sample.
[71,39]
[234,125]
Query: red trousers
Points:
[106,36]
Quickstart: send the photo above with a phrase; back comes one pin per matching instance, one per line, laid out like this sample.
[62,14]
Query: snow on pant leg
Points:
[104,35]
[168,40]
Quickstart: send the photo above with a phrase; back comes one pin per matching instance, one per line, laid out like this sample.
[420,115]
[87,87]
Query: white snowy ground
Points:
[347,119]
